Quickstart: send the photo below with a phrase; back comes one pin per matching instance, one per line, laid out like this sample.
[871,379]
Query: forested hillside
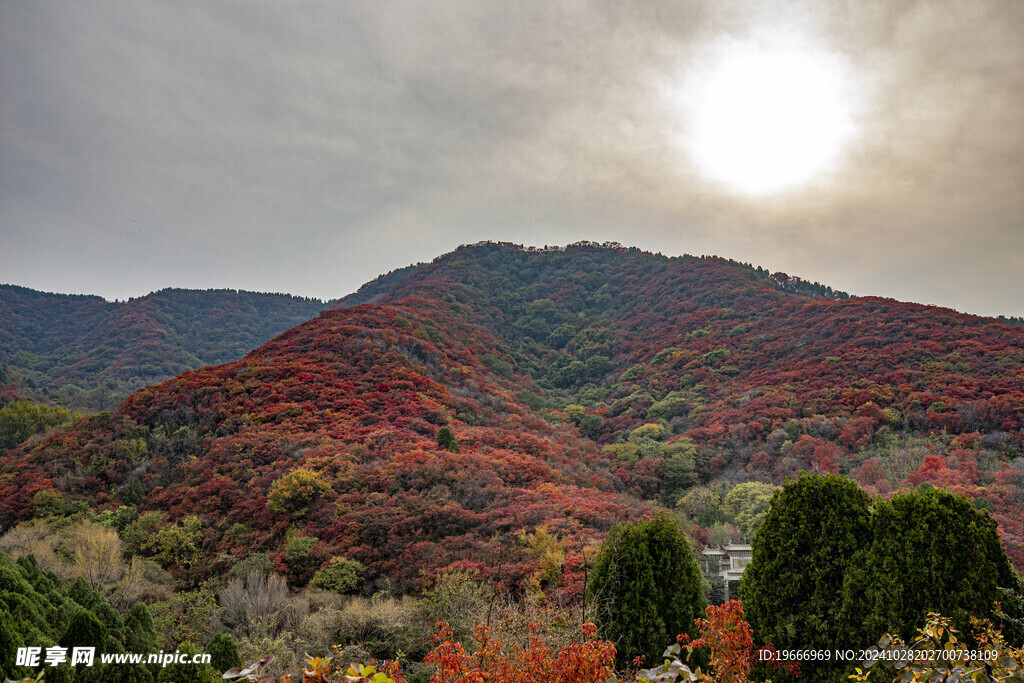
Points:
[88,354]
[580,385]
[475,427]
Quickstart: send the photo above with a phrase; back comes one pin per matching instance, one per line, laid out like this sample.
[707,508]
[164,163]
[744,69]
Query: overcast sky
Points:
[307,147]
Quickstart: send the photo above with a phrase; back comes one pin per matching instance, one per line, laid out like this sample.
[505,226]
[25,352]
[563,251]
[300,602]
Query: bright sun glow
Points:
[766,115]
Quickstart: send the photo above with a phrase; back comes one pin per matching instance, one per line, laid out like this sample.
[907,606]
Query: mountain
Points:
[88,353]
[583,385]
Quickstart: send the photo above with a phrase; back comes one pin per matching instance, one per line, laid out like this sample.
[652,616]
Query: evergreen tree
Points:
[647,588]
[85,630]
[10,641]
[446,440]
[792,589]
[223,652]
[931,551]
[188,673]
[140,630]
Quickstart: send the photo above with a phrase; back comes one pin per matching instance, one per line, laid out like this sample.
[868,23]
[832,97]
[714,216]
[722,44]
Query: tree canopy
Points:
[646,586]
[792,588]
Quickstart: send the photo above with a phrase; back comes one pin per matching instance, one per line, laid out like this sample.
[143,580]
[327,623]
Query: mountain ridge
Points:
[88,353]
[583,385]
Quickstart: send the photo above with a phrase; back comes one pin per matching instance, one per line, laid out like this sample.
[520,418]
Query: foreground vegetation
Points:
[822,575]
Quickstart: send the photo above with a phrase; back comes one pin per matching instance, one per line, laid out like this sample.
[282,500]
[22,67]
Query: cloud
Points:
[308,146]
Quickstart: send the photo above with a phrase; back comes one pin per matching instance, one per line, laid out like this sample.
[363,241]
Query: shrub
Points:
[457,597]
[941,656]
[296,492]
[589,661]
[340,575]
[383,627]
[730,643]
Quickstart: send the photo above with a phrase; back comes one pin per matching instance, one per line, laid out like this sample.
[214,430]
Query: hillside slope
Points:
[88,353]
[579,383]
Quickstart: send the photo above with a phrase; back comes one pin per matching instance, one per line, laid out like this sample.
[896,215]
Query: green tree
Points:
[223,652]
[792,589]
[747,504]
[134,493]
[646,587]
[298,555]
[339,575]
[296,492]
[49,504]
[701,505]
[185,616]
[23,419]
[188,673]
[679,469]
[446,440]
[931,551]
[179,544]
[651,431]
[85,630]
[140,630]
[137,537]
[10,641]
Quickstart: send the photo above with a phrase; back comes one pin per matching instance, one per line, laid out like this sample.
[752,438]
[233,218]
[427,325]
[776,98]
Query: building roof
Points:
[738,548]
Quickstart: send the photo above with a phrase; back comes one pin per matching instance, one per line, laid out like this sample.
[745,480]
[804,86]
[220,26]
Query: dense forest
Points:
[88,354]
[463,441]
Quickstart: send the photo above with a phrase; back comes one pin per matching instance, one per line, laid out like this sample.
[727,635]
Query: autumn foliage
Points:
[541,364]
[589,661]
[727,640]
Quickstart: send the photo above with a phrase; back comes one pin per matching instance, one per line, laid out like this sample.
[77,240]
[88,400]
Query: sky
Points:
[307,147]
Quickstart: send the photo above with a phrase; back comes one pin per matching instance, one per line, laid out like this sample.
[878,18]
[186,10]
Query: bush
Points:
[459,598]
[730,643]
[383,627]
[942,656]
[296,492]
[589,661]
[340,575]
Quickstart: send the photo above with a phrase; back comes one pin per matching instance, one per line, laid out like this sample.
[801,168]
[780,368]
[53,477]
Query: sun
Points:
[766,115]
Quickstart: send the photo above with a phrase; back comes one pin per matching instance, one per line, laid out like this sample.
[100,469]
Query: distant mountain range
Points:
[583,385]
[88,353]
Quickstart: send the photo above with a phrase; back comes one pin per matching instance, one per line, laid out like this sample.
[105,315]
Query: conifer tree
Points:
[446,440]
[223,652]
[647,588]
[792,589]
[931,551]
